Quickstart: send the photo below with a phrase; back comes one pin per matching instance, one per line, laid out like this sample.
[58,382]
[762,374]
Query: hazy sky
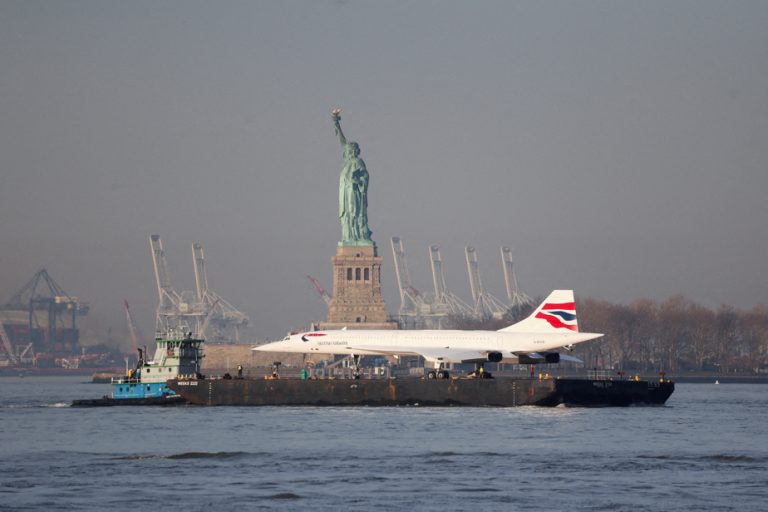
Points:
[620,148]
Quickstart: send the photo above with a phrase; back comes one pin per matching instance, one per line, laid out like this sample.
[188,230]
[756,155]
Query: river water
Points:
[707,449]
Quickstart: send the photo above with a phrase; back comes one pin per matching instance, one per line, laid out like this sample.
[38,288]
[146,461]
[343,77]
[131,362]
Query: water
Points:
[707,449]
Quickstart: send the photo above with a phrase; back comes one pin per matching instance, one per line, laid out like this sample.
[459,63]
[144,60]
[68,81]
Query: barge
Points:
[472,392]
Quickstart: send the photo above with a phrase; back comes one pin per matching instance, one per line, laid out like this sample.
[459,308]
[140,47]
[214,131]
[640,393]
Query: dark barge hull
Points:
[110,402]
[501,392]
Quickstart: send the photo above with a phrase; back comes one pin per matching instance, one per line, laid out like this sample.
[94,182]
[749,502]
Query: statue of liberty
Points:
[353,191]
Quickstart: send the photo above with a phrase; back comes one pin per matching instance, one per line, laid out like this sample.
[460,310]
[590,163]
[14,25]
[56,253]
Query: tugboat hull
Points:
[110,402]
[499,392]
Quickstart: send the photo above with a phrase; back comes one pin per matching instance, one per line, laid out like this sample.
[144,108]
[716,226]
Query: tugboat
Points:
[177,356]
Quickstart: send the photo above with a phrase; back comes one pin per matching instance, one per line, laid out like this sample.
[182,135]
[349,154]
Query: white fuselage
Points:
[391,342]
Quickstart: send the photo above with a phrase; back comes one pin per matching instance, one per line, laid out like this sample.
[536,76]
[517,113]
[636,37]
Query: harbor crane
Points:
[196,310]
[517,299]
[411,302]
[40,318]
[172,312]
[417,311]
[486,305]
[443,297]
[224,319]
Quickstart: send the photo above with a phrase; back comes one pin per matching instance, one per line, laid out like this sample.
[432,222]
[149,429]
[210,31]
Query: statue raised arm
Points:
[336,115]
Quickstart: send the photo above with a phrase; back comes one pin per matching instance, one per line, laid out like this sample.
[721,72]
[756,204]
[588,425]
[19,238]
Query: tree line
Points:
[675,335]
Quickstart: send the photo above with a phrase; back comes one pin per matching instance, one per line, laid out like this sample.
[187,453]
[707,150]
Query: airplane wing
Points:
[432,354]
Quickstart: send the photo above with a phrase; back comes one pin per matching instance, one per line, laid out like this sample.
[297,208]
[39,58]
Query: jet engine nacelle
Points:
[495,357]
[549,358]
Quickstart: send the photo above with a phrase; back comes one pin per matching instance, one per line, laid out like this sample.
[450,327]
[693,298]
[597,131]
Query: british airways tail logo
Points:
[560,316]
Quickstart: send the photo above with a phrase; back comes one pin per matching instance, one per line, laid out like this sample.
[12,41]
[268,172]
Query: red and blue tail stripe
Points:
[559,316]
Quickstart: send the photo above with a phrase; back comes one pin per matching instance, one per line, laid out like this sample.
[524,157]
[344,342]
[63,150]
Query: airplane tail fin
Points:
[556,313]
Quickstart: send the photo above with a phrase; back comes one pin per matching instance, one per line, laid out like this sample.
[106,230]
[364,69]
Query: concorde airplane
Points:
[552,325]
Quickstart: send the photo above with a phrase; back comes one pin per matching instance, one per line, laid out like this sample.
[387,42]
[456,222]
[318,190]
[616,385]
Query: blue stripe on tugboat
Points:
[177,356]
[123,388]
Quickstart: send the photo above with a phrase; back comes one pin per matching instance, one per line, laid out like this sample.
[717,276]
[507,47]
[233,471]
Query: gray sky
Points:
[620,148]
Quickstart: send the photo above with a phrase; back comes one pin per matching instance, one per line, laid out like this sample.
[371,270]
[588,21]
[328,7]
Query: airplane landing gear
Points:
[356,371]
[439,373]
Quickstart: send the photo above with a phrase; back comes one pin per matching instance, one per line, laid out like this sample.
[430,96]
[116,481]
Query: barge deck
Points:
[498,392]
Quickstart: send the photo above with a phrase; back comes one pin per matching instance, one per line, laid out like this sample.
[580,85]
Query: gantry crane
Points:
[194,311]
[486,305]
[516,298]
[222,317]
[172,312]
[50,320]
[417,310]
[412,304]
[455,306]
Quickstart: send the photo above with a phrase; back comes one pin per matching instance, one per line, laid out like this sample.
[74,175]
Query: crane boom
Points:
[320,290]
[442,295]
[169,301]
[201,272]
[486,305]
[165,291]
[515,296]
[133,330]
[438,279]
[475,285]
[410,298]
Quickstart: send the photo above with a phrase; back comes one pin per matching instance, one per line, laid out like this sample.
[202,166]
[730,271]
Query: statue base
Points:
[357,302]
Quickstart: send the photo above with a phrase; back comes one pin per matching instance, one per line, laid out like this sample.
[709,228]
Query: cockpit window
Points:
[287,338]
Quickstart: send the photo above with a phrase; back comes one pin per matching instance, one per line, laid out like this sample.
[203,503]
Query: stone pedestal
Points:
[357,302]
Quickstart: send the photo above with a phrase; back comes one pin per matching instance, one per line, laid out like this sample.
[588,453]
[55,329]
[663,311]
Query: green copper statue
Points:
[353,191]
